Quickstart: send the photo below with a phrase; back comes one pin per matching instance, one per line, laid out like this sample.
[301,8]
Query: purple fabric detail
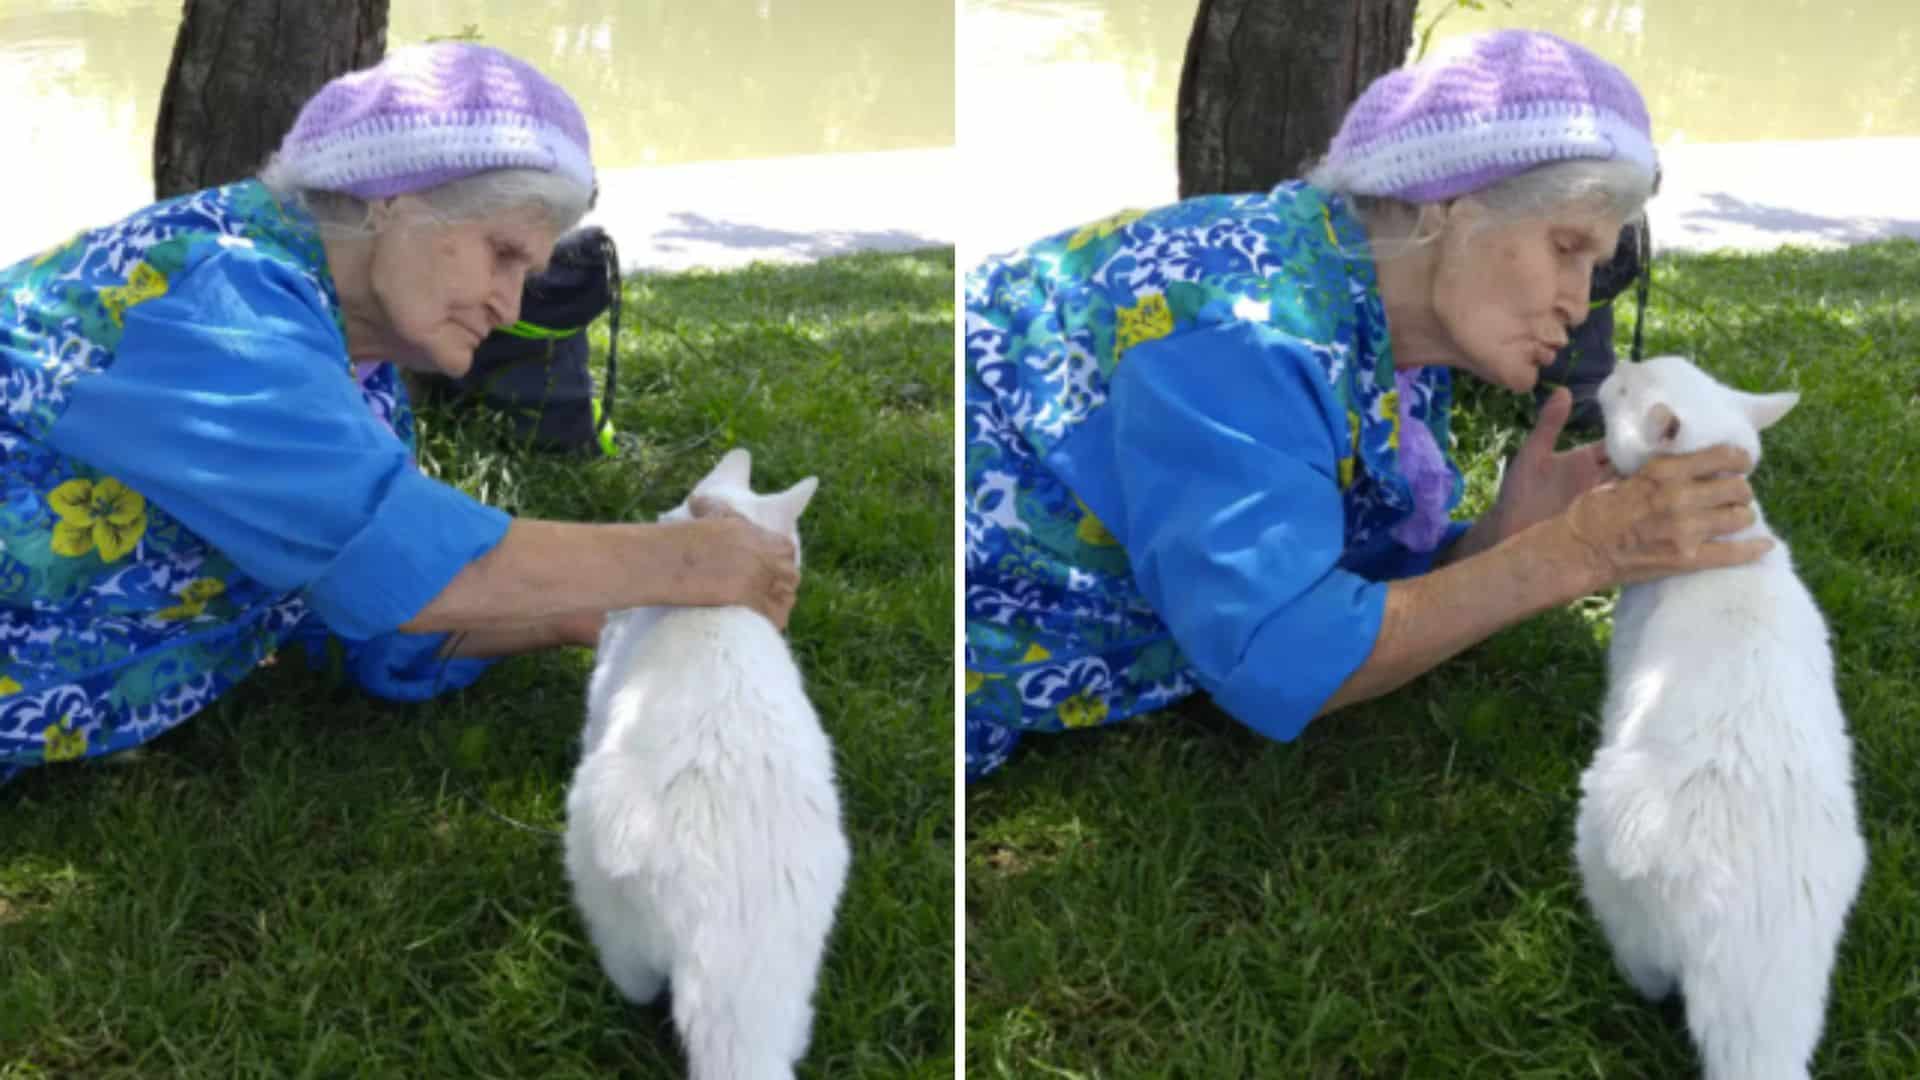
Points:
[1452,187]
[348,128]
[364,369]
[1464,88]
[1425,469]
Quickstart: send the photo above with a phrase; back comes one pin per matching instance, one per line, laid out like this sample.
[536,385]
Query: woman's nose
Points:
[505,303]
[1574,297]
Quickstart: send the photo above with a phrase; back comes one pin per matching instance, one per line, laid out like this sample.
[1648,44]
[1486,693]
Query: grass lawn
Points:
[306,882]
[1394,893]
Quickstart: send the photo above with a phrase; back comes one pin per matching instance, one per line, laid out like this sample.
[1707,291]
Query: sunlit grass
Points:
[305,882]
[1394,893]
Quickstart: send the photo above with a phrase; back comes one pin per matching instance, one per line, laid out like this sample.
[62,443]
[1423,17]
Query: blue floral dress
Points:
[1183,466]
[194,476]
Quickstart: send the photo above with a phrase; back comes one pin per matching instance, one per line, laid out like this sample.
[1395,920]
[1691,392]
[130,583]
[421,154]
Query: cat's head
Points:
[728,484]
[1668,406]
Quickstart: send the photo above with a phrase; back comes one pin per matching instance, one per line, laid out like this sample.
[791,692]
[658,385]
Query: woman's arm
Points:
[543,571]
[581,630]
[1657,522]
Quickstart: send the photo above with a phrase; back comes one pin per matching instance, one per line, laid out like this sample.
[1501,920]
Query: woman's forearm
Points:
[1431,618]
[580,629]
[543,571]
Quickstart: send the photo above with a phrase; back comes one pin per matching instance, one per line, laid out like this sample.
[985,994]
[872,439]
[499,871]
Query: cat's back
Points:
[715,690]
[1758,619]
[1728,670]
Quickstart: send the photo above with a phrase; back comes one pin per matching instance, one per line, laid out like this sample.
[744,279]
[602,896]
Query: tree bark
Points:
[241,69]
[1265,83]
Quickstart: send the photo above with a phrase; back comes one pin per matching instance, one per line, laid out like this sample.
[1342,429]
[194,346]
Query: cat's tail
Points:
[751,927]
[732,1060]
[737,1025]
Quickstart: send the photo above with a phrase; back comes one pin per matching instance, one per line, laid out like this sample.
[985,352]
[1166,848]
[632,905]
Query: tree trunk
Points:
[1266,82]
[241,70]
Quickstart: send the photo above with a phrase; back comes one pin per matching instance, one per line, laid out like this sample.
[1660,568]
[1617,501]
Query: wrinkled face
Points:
[1510,293]
[444,287]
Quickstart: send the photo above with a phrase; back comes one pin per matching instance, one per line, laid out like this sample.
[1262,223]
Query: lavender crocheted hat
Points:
[430,114]
[1493,106]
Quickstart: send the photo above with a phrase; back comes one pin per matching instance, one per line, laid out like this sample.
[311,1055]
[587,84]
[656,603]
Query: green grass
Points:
[1393,894]
[306,882]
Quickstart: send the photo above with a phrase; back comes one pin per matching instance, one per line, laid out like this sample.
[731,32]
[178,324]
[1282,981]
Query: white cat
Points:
[703,826]
[1717,834]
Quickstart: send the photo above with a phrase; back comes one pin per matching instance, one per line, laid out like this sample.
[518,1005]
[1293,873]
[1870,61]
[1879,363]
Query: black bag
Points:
[535,371]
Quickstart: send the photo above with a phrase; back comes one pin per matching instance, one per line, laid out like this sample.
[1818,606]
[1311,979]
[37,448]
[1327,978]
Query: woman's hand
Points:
[1539,484]
[1663,519]
[1659,521]
[727,559]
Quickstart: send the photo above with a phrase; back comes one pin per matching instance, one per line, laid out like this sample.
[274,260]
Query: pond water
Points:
[661,83]
[1067,106]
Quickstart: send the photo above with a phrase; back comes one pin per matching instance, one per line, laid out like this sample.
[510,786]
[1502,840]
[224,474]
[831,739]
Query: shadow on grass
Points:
[301,878]
[693,233]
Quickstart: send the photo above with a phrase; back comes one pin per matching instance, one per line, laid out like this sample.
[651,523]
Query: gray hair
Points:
[562,201]
[1619,187]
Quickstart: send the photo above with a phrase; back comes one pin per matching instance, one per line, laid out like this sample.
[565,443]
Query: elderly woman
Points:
[207,458]
[1207,446]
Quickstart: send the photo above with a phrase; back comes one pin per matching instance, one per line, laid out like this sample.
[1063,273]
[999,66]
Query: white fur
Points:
[703,826]
[1717,835]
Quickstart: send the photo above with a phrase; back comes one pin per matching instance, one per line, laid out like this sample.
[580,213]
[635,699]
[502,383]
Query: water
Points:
[1067,106]
[661,83]
[1752,70]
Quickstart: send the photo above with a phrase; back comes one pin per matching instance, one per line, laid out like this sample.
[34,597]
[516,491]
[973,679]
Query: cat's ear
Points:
[1765,410]
[1663,427]
[794,500]
[734,469]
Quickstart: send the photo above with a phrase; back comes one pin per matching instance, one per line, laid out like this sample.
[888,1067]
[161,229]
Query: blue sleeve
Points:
[1223,488]
[1401,561]
[397,667]
[229,406]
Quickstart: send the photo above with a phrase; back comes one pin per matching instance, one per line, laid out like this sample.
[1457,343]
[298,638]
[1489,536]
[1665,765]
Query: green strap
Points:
[603,430]
[533,331]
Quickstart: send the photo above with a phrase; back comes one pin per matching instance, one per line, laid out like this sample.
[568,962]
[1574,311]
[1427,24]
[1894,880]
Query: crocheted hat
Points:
[1492,106]
[430,114]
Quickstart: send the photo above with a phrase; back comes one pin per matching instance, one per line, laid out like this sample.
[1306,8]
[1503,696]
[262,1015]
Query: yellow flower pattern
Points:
[1082,710]
[1353,440]
[143,283]
[1091,531]
[1103,228]
[193,599]
[1035,654]
[1147,320]
[8,686]
[64,743]
[1389,408]
[96,514]
[103,514]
